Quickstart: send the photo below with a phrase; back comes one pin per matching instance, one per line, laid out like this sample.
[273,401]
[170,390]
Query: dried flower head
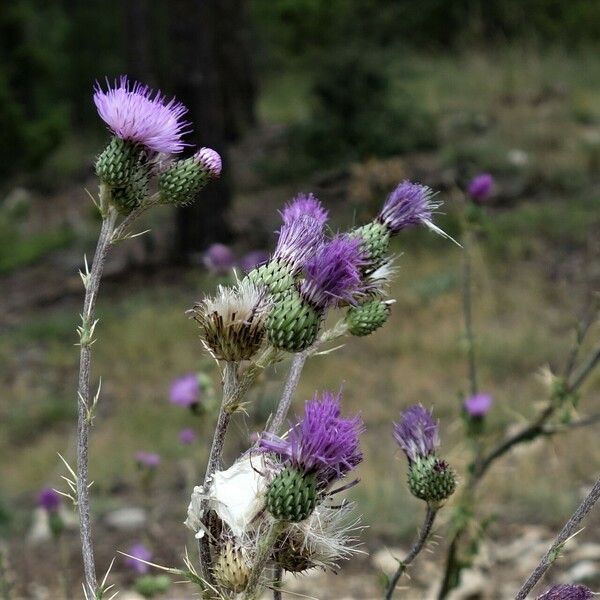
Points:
[322,443]
[416,432]
[478,405]
[333,274]
[481,187]
[137,554]
[567,592]
[49,499]
[137,114]
[232,323]
[219,259]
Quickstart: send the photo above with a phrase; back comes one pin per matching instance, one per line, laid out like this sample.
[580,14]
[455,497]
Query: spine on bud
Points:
[367,317]
[274,275]
[292,495]
[431,479]
[375,238]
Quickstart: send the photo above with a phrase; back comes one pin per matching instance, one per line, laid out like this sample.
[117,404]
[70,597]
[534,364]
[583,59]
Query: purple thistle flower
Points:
[137,114]
[218,259]
[416,432]
[49,499]
[322,443]
[478,405]
[187,436]
[567,592]
[481,187]
[211,160]
[138,552]
[252,260]
[333,274]
[304,205]
[409,204]
[185,391]
[150,460]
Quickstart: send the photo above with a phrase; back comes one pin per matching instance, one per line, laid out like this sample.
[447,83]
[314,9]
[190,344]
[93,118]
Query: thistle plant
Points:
[147,129]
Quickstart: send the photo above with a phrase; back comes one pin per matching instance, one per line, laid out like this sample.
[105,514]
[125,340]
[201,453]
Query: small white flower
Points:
[237,495]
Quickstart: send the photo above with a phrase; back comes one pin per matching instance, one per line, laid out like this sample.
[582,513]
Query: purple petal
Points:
[416,432]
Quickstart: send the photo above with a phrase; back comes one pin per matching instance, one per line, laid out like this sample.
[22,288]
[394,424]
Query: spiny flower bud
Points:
[115,164]
[292,324]
[292,495]
[127,198]
[182,180]
[431,479]
[231,569]
[375,238]
[232,323]
[367,317]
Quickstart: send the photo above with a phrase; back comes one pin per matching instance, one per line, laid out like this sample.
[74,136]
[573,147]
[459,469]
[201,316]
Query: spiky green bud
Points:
[292,324]
[375,242]
[231,569]
[125,199]
[115,164]
[292,495]
[431,479]
[275,275]
[182,180]
[367,317]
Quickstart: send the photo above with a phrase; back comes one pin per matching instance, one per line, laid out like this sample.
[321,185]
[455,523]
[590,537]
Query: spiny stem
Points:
[263,552]
[566,532]
[83,389]
[414,551]
[289,392]
[230,393]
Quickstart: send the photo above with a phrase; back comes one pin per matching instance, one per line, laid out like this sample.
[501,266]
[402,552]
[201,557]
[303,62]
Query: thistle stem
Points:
[566,532]
[414,551]
[84,405]
[230,393]
[263,552]
[289,391]
[277,583]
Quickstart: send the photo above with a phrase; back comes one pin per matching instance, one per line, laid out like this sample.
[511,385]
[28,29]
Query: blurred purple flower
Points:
[139,552]
[137,114]
[187,436]
[150,460]
[478,405]
[333,274]
[49,499]
[185,390]
[481,187]
[253,259]
[219,259]
[567,592]
[304,205]
[211,160]
[409,204]
[416,432]
[322,443]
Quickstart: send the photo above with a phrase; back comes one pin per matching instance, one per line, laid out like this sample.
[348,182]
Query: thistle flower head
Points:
[149,460]
[187,436]
[218,259]
[137,553]
[323,443]
[481,187]
[416,433]
[210,160]
[478,405]
[232,323]
[304,205]
[185,390]
[333,274]
[298,240]
[567,592]
[137,114]
[49,499]
[409,204]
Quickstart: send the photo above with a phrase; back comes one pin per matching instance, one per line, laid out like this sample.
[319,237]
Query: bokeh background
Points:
[342,98]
